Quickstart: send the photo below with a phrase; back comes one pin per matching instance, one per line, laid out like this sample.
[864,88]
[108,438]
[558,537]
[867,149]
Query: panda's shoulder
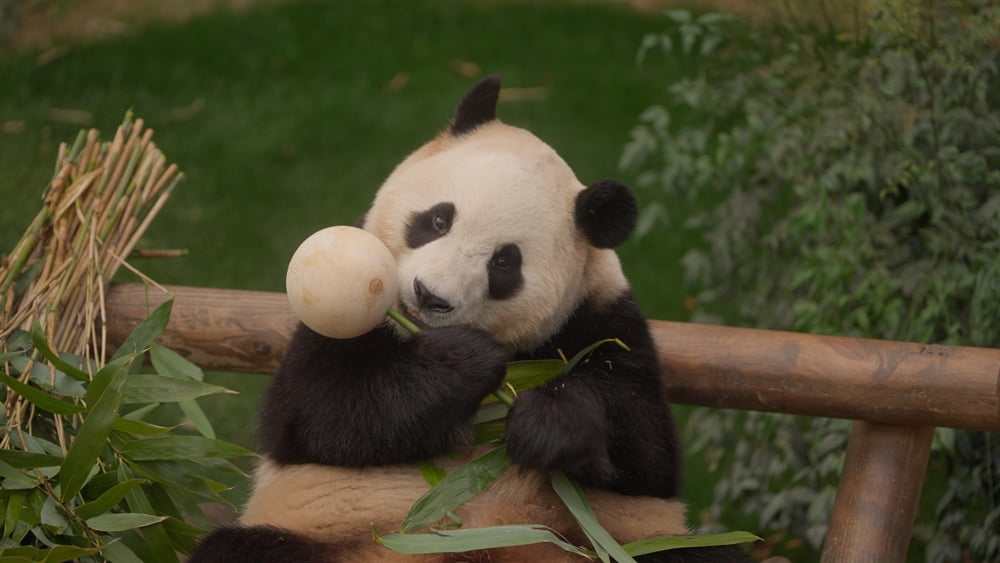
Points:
[611,315]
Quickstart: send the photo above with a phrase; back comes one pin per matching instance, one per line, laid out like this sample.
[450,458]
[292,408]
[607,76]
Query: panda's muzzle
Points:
[428,301]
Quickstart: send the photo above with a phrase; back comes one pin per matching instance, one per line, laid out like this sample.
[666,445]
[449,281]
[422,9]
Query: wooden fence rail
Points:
[896,392]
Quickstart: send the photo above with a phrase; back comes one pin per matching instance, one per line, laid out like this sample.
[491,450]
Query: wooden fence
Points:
[895,392]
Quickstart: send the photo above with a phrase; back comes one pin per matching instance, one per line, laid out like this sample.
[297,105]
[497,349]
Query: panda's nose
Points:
[427,300]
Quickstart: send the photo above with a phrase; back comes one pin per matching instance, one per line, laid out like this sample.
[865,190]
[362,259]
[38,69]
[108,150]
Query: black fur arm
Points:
[607,422]
[377,399]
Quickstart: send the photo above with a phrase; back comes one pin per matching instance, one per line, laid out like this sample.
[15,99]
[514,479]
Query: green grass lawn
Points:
[297,126]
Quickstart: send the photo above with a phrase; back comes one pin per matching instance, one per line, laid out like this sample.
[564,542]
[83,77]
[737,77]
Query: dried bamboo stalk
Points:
[100,201]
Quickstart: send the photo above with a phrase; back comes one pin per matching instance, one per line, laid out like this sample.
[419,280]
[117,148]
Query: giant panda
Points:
[502,255]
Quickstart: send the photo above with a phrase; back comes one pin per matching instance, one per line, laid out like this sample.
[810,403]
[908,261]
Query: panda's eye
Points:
[430,224]
[440,223]
[504,271]
[502,262]
[506,258]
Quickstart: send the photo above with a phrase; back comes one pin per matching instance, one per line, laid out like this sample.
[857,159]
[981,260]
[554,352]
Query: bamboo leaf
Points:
[494,412]
[139,427]
[21,460]
[8,356]
[112,370]
[143,336]
[180,447]
[458,541]
[34,501]
[40,398]
[170,363]
[181,528]
[526,374]
[141,413]
[61,553]
[583,354]
[19,341]
[12,512]
[456,488]
[160,546]
[176,475]
[153,388]
[663,543]
[574,499]
[108,500]
[57,554]
[38,339]
[14,479]
[187,504]
[220,464]
[123,521]
[47,377]
[432,473]
[192,410]
[93,433]
[117,552]
[50,515]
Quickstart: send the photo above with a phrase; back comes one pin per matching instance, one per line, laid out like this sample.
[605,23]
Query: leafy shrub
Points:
[125,490]
[849,187]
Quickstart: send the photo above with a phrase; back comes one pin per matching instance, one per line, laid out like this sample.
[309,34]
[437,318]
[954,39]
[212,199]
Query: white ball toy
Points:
[341,281]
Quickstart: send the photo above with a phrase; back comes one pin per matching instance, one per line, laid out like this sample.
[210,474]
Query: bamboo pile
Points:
[100,201]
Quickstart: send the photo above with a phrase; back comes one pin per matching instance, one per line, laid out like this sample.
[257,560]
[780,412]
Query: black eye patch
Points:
[426,226]
[504,271]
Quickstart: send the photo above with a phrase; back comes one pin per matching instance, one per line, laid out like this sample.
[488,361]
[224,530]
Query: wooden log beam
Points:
[877,381]
[862,379]
[217,329]
[880,484]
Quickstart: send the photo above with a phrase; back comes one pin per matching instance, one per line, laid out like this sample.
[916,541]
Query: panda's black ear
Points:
[606,213]
[478,106]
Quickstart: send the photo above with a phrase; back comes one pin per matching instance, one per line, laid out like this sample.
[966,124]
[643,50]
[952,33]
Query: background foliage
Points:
[854,189]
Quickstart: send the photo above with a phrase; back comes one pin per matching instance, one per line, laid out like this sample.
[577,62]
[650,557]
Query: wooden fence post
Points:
[879,491]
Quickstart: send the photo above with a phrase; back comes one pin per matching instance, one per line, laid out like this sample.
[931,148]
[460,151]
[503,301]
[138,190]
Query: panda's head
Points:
[491,228]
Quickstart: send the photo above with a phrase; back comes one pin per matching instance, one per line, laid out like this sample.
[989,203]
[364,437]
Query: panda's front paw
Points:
[555,429]
[469,354]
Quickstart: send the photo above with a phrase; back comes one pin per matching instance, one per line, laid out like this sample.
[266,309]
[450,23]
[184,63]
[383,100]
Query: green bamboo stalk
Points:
[74,152]
[23,251]
[403,321]
[121,190]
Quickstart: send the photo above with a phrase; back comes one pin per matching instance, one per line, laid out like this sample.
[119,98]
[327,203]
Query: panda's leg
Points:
[260,544]
[719,554]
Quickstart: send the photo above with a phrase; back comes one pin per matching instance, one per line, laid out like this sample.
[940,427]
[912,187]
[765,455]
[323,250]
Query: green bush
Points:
[124,490]
[851,187]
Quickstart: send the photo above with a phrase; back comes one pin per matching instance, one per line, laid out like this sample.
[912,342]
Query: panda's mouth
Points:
[413,316]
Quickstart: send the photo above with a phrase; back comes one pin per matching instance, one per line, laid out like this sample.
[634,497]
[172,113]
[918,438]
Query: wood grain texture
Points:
[723,367]
[874,380]
[879,491]
[225,330]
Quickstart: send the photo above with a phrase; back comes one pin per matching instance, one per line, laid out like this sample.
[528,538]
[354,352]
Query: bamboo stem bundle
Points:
[100,201]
